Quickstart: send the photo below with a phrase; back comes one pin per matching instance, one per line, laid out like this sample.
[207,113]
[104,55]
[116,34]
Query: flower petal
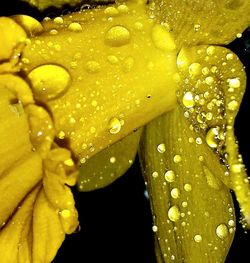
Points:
[14,243]
[48,233]
[214,83]
[192,209]
[110,68]
[202,22]
[105,167]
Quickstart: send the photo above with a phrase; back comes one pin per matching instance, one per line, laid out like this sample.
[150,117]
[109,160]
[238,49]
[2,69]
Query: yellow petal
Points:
[14,94]
[48,233]
[108,165]
[192,209]
[111,68]
[17,182]
[215,82]
[10,39]
[202,22]
[14,236]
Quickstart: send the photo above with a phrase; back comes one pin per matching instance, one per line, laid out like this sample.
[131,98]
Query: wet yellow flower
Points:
[73,86]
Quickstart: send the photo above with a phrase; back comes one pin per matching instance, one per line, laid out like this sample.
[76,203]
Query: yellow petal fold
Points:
[48,233]
[192,209]
[14,238]
[202,21]
[106,166]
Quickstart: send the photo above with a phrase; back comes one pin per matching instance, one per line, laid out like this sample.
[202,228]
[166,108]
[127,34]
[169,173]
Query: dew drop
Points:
[233,105]
[188,187]
[188,99]
[169,176]
[58,20]
[198,238]
[175,193]
[222,231]
[112,159]
[75,27]
[117,36]
[65,213]
[234,83]
[155,228]
[195,69]
[212,137]
[49,81]
[111,11]
[161,148]
[177,158]
[114,126]
[155,174]
[174,213]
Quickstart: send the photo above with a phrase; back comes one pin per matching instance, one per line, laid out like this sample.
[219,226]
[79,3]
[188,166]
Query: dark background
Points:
[116,223]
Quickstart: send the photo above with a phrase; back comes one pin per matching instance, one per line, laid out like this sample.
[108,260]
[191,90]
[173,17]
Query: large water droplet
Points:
[161,148]
[114,126]
[188,99]
[169,176]
[117,36]
[49,81]
[197,238]
[222,231]
[174,213]
[212,137]
[75,27]
[175,193]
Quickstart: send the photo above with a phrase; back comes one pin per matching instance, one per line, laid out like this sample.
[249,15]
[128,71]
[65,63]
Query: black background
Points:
[116,223]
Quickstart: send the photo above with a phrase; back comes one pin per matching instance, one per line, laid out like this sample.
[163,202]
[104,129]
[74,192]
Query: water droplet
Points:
[188,99]
[112,159]
[209,80]
[222,231]
[188,187]
[155,174]
[117,36]
[212,137]
[53,32]
[174,213]
[169,176]
[162,38]
[195,69]
[161,148]
[93,66]
[75,27]
[198,140]
[123,8]
[234,83]
[175,193]
[114,126]
[197,27]
[49,81]
[233,105]
[61,135]
[229,56]
[177,158]
[111,11]
[155,228]
[198,238]
[211,50]
[58,20]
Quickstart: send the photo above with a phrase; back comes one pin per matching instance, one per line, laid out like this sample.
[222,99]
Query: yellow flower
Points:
[75,85]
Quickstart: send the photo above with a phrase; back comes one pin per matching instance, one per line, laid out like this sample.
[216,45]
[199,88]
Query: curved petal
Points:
[213,84]
[105,167]
[113,66]
[48,233]
[14,240]
[202,22]
[192,209]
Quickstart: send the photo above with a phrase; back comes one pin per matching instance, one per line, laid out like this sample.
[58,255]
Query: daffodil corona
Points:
[75,90]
